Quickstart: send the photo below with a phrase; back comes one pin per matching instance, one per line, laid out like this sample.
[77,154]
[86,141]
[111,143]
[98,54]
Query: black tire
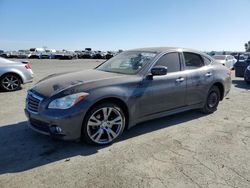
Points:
[86,131]
[15,84]
[248,82]
[212,100]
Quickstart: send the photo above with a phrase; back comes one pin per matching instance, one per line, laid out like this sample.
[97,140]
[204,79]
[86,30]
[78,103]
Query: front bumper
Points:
[61,127]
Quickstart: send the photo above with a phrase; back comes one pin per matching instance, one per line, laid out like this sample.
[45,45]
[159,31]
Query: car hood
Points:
[56,83]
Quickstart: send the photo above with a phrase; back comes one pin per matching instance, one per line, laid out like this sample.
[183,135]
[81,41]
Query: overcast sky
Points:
[124,24]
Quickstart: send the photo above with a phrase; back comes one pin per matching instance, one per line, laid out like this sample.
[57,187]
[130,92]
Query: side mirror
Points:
[159,70]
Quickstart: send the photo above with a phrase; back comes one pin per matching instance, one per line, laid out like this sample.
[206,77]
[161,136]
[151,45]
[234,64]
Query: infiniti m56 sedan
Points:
[134,86]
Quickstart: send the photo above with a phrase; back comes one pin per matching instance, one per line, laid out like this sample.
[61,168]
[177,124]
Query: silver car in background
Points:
[226,60]
[13,74]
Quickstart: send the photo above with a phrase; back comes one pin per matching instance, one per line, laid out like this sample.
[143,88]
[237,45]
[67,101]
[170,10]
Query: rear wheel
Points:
[10,82]
[103,124]
[212,101]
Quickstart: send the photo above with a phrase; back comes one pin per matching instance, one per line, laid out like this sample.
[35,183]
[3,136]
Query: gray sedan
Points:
[13,74]
[134,86]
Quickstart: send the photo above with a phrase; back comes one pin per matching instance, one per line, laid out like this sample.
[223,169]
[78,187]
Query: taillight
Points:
[27,66]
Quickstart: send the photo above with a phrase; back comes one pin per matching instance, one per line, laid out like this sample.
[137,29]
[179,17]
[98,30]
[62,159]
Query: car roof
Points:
[164,49]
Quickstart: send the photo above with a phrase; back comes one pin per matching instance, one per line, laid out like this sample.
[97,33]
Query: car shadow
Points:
[241,84]
[4,91]
[23,149]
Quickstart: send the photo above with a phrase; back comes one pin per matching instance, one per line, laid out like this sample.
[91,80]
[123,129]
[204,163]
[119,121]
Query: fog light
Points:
[55,129]
[58,130]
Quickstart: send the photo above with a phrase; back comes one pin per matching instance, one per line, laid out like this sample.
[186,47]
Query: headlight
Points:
[248,68]
[67,101]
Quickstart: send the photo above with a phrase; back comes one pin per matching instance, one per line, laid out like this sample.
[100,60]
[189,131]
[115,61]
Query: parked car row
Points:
[40,53]
[88,54]
[235,54]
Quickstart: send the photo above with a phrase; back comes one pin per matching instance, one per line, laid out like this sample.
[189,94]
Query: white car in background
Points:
[226,60]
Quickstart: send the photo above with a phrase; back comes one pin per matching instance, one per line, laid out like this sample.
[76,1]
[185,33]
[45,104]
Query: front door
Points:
[163,93]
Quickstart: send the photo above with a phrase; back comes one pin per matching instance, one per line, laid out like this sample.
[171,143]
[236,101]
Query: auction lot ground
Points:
[184,150]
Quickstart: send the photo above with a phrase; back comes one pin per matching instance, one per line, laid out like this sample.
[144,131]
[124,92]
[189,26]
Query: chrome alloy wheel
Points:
[105,124]
[10,82]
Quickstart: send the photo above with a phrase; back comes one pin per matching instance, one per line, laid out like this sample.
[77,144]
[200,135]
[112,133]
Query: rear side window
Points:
[193,61]
[171,61]
[206,60]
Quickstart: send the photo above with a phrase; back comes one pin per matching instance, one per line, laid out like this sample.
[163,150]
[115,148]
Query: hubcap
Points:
[105,125]
[212,100]
[10,82]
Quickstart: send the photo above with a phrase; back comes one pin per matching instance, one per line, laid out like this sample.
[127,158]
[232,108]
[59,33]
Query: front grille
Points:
[33,101]
[40,125]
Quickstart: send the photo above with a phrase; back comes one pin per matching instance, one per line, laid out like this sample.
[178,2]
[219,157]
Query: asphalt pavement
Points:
[184,150]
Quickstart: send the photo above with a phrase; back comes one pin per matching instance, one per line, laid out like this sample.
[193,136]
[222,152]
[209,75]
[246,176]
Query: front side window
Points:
[192,60]
[127,62]
[171,61]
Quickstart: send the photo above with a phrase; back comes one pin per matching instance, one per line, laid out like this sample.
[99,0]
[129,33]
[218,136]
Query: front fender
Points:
[121,93]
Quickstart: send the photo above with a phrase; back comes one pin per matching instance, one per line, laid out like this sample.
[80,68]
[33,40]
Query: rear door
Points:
[199,77]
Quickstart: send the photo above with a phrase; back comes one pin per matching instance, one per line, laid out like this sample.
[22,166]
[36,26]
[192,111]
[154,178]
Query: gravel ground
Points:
[183,150]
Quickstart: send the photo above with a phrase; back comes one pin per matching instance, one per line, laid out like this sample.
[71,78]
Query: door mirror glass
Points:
[159,70]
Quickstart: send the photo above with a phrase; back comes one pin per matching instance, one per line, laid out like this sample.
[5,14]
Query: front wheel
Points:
[103,124]
[212,101]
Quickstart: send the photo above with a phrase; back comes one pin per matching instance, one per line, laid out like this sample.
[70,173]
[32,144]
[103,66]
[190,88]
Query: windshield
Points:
[219,57]
[127,62]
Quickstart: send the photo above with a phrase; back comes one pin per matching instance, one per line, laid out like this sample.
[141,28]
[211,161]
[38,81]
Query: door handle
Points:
[208,74]
[181,79]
